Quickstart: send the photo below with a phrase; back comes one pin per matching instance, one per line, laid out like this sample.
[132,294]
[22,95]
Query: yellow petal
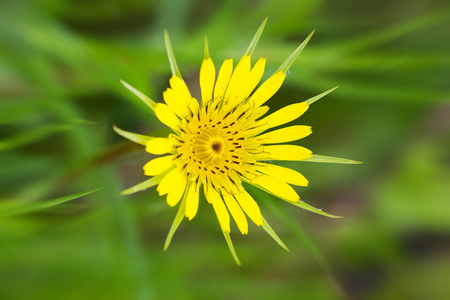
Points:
[286,152]
[285,174]
[172,99]
[193,105]
[166,115]
[224,78]
[158,165]
[207,78]
[268,89]
[240,75]
[236,212]
[253,79]
[276,187]
[179,86]
[287,134]
[173,184]
[284,115]
[250,207]
[159,146]
[191,203]
[214,198]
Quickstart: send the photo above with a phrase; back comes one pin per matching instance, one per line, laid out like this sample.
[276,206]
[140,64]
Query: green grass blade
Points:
[31,207]
[331,160]
[30,136]
[272,233]
[134,137]
[255,39]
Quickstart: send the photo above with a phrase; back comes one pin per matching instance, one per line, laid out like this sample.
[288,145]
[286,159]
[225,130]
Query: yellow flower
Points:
[226,140]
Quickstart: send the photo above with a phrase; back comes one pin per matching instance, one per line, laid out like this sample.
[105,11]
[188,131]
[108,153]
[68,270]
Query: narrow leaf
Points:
[290,60]
[172,61]
[272,233]
[177,221]
[30,207]
[231,247]
[255,39]
[315,98]
[31,136]
[134,137]
[331,160]
[141,96]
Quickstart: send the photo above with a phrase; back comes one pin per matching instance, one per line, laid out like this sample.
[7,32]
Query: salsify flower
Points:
[225,141]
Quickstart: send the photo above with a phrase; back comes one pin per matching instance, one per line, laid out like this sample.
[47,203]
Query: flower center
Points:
[217,147]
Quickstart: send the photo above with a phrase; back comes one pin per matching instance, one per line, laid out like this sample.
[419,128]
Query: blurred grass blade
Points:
[141,96]
[310,208]
[331,160]
[134,137]
[290,60]
[30,207]
[31,136]
[315,98]
[177,221]
[172,60]
[146,184]
[231,247]
[255,39]
[272,233]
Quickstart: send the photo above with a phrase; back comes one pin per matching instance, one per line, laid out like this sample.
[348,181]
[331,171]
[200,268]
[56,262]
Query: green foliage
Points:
[60,66]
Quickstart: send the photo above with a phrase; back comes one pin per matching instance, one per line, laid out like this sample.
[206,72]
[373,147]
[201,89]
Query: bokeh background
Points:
[60,65]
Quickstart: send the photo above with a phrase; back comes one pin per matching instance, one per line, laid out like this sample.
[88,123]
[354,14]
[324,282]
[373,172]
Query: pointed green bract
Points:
[30,207]
[177,221]
[231,247]
[290,60]
[272,233]
[331,160]
[146,184]
[141,96]
[172,61]
[310,208]
[206,48]
[315,98]
[255,39]
[134,137]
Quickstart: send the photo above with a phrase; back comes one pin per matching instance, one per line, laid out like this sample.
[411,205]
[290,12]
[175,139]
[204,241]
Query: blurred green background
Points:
[60,65]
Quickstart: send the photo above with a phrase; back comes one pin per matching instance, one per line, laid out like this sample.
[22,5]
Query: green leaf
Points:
[255,39]
[272,233]
[31,136]
[134,137]
[315,98]
[141,96]
[329,159]
[290,60]
[172,60]
[30,207]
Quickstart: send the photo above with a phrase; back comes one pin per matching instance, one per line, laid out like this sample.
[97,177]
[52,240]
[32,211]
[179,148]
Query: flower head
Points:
[226,140]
